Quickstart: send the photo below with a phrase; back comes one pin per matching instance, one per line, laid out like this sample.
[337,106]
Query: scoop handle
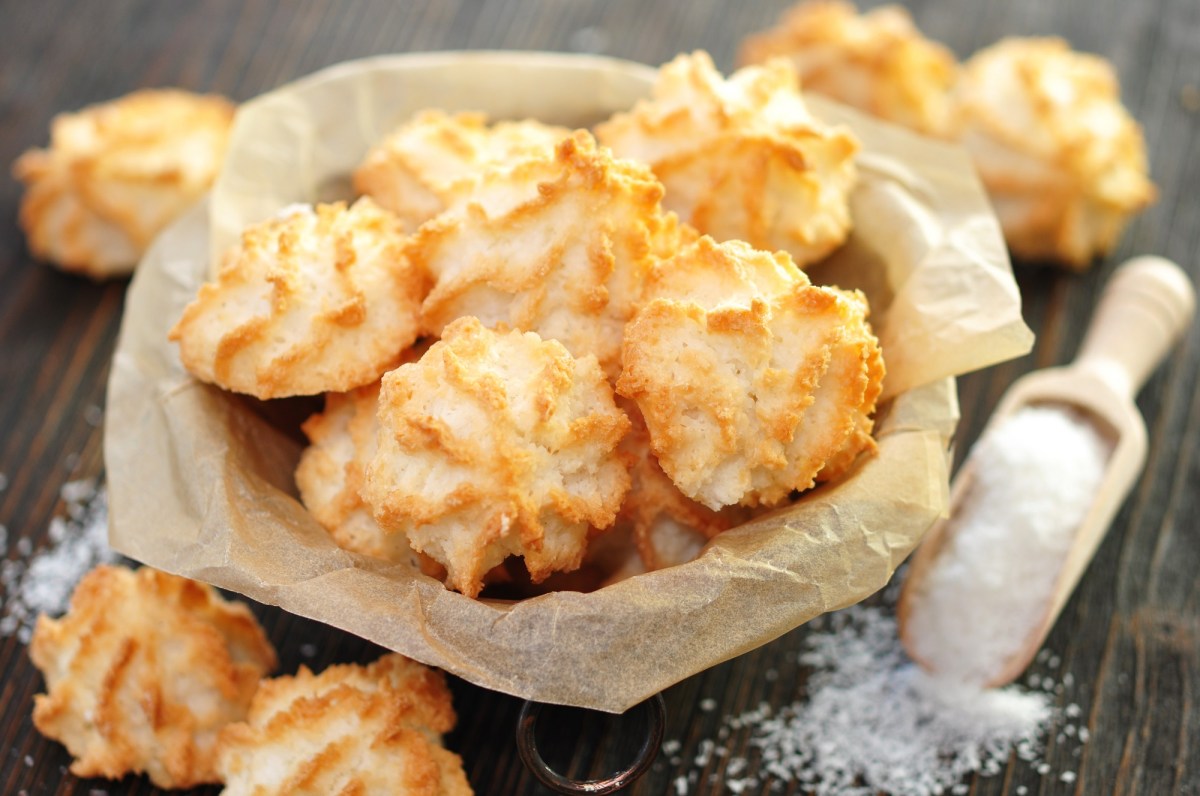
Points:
[1147,304]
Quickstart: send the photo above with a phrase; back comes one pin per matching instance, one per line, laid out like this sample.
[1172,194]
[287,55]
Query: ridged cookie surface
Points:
[116,174]
[142,673]
[742,159]
[1063,161]
[757,390]
[497,444]
[370,730]
[412,171]
[877,61]
[316,300]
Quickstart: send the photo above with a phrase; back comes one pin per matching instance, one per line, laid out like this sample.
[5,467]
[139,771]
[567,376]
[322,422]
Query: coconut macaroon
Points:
[1063,161]
[411,172]
[497,444]
[116,174]
[368,730]
[742,159]
[878,61]
[666,527]
[755,393]
[316,300]
[557,245]
[332,472]
[143,672]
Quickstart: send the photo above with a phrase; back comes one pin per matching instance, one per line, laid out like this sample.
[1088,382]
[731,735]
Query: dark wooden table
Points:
[1130,636]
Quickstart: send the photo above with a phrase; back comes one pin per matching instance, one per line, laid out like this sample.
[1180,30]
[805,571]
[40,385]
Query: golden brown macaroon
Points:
[313,301]
[332,472]
[1063,161]
[116,174]
[370,730]
[878,61]
[497,444]
[143,672]
[755,393]
[557,245]
[412,171]
[666,527]
[742,159]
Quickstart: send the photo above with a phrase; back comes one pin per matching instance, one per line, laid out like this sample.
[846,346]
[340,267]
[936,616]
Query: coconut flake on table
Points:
[874,722]
[43,583]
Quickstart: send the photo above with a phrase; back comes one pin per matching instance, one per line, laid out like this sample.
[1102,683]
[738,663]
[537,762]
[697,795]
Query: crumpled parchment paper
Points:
[200,480]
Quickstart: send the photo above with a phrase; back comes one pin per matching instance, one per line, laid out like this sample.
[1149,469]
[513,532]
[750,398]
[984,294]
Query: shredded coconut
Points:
[1033,479]
[875,722]
[43,583]
[873,715]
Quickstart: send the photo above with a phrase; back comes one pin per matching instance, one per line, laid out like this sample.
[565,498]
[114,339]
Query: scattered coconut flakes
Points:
[874,722]
[77,493]
[93,415]
[43,583]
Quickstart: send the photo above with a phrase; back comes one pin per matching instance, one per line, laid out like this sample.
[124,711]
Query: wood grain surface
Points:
[1130,637]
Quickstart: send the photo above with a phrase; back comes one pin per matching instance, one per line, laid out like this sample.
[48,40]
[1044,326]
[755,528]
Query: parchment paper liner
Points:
[201,485]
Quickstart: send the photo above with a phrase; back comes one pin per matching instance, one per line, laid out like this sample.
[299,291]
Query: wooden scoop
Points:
[1146,305]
